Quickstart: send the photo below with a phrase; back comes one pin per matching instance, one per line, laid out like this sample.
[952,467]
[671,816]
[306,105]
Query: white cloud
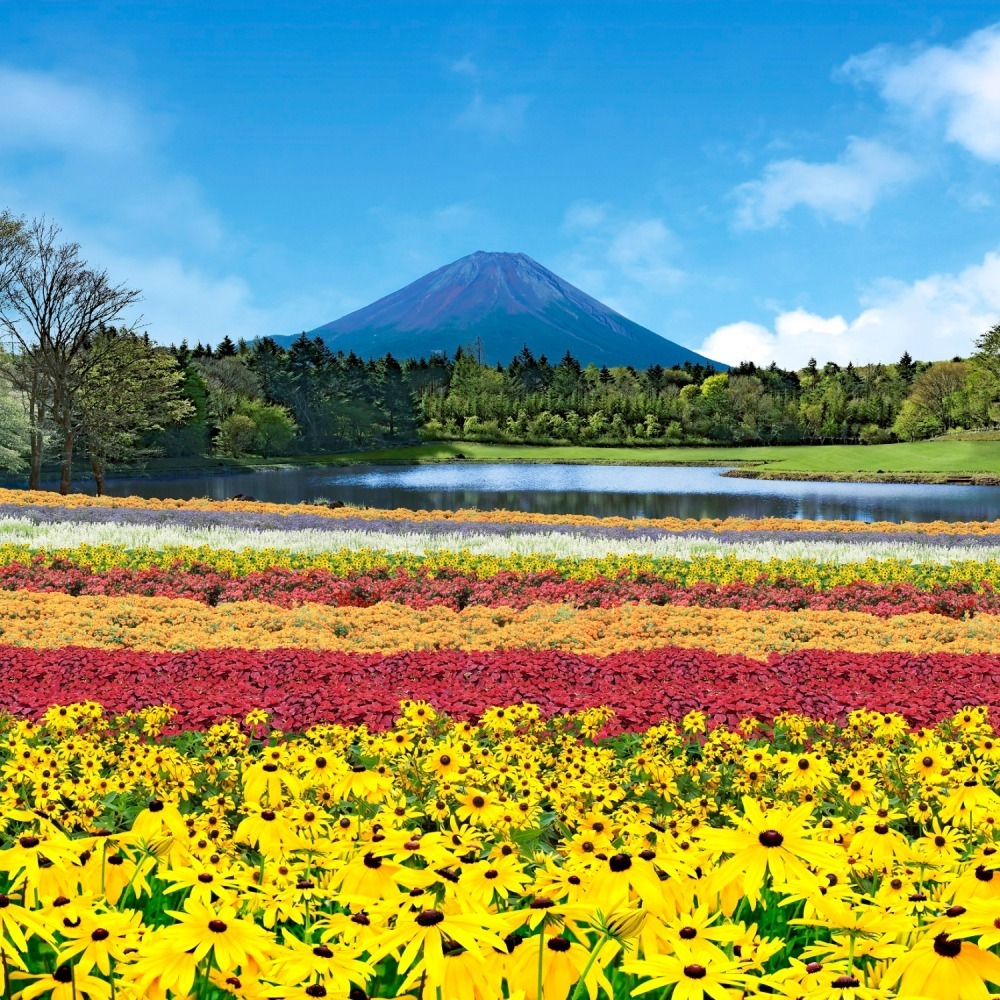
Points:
[499,119]
[934,318]
[40,111]
[844,190]
[642,251]
[182,302]
[102,178]
[623,260]
[958,86]
[466,66]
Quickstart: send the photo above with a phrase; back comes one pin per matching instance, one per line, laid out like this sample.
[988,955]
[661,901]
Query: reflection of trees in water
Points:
[687,493]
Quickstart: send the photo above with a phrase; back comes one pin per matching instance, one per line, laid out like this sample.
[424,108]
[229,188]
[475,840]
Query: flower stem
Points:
[578,990]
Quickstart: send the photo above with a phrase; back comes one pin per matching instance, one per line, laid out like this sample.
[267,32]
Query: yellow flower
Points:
[944,968]
[777,842]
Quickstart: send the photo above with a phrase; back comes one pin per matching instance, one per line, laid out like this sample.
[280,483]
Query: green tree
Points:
[236,435]
[230,382]
[273,427]
[15,440]
[132,388]
[52,307]
[984,378]
[938,392]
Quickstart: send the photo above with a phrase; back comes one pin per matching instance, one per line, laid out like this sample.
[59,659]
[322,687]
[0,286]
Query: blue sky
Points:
[754,180]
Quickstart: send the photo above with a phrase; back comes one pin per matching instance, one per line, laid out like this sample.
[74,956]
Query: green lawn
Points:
[923,458]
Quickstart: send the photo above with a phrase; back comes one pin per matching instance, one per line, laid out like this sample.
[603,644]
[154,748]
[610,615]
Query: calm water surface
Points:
[628,491]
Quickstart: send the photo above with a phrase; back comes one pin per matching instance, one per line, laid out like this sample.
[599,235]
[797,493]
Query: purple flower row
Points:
[255,521]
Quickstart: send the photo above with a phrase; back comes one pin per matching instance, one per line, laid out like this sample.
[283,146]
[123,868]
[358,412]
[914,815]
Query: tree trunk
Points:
[37,438]
[35,475]
[97,465]
[66,476]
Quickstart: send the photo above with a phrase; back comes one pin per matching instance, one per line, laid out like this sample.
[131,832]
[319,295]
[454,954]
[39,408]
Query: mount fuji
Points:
[496,303]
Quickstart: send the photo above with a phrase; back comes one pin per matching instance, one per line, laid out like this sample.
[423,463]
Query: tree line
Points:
[76,379]
[260,397]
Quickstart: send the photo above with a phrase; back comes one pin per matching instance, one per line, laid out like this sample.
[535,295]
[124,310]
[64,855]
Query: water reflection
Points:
[628,491]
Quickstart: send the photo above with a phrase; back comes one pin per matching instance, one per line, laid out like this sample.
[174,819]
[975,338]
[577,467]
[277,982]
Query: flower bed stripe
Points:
[302,688]
[196,519]
[457,590]
[64,533]
[770,524]
[150,623]
[723,569]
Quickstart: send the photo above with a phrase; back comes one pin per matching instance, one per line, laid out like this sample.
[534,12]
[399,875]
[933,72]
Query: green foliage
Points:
[273,427]
[236,435]
[132,388]
[914,423]
[306,398]
[14,430]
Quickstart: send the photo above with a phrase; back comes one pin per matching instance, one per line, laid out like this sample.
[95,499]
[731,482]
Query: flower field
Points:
[260,751]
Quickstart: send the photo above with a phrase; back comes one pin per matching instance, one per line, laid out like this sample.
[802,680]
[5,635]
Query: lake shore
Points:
[954,462]
[930,462]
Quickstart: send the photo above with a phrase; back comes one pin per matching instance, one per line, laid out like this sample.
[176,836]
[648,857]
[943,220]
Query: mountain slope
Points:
[503,301]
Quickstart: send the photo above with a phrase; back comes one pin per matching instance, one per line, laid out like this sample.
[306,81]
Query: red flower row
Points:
[288,588]
[301,688]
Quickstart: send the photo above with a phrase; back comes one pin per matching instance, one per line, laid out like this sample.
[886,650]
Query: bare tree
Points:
[52,308]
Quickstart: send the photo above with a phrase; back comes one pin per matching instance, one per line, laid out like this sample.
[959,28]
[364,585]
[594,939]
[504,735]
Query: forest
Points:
[77,381]
[258,397]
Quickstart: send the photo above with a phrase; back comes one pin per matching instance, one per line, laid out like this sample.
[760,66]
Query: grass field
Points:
[925,459]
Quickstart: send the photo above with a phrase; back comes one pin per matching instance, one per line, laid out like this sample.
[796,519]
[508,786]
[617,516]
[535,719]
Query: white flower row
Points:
[68,535]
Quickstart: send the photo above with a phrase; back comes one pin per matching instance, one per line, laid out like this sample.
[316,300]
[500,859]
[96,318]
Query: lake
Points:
[627,491]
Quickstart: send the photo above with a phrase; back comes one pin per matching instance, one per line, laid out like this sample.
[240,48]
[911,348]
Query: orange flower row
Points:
[765,524]
[46,621]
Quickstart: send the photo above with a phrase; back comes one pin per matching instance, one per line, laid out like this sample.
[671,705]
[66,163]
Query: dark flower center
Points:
[945,947]
[770,838]
[558,944]
[218,926]
[428,918]
[99,934]
[620,863]
[695,971]
[845,982]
